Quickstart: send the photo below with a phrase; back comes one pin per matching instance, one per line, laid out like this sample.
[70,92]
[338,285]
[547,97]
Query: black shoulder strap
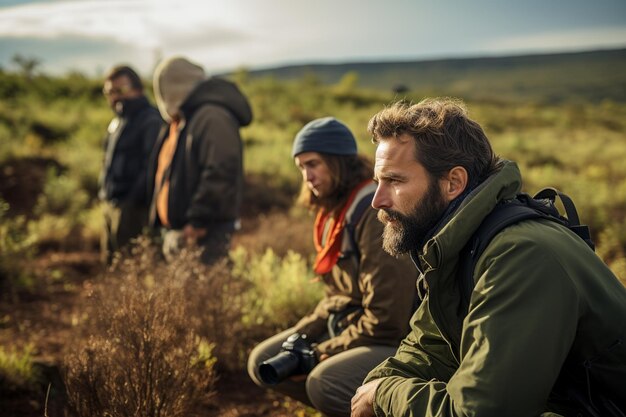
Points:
[507,213]
[503,215]
[573,221]
[351,222]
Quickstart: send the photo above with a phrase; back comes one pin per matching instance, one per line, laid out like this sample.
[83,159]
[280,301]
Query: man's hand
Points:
[192,234]
[363,400]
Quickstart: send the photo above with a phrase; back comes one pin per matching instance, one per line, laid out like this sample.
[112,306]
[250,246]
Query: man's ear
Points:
[454,183]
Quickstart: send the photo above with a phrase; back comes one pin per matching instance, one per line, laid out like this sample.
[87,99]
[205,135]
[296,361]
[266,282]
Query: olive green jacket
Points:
[382,285]
[542,299]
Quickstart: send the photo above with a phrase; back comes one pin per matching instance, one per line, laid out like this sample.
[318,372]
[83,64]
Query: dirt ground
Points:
[43,316]
[44,320]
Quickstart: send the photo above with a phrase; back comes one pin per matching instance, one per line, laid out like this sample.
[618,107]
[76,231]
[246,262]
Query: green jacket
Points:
[383,286]
[542,299]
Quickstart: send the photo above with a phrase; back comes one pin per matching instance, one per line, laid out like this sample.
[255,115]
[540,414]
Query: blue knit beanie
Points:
[326,135]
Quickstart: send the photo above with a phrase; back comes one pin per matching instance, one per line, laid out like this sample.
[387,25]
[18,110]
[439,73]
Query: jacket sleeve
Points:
[520,326]
[388,291]
[314,324]
[218,149]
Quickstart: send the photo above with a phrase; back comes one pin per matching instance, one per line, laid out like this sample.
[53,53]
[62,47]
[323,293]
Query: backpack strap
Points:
[505,214]
[502,216]
[573,221]
[362,201]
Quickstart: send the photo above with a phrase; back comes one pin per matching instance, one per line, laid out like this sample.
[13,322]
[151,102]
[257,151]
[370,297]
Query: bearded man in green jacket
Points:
[545,331]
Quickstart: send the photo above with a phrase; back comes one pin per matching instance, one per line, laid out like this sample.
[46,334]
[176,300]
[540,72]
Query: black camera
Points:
[296,357]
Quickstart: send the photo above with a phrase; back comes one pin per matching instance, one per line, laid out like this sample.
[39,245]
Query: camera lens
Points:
[279,367]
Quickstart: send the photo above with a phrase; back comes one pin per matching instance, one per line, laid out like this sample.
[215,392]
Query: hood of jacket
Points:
[220,92]
[449,240]
[174,80]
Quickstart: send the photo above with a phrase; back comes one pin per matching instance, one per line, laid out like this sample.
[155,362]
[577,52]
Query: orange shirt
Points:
[162,185]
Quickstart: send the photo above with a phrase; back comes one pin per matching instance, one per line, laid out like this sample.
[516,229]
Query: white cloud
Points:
[138,23]
[225,34]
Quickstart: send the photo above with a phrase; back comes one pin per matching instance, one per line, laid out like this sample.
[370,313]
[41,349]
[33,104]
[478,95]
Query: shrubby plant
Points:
[61,195]
[282,288]
[16,369]
[140,349]
[158,333]
[59,210]
[16,249]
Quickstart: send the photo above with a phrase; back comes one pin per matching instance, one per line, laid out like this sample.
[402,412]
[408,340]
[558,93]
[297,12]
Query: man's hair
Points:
[124,70]
[444,136]
[347,171]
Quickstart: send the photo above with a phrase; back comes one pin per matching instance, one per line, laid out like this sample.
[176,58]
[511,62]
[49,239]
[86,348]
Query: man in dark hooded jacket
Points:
[197,167]
[130,138]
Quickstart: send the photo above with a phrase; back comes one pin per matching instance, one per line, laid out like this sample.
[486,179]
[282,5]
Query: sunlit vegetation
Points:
[50,156]
[16,368]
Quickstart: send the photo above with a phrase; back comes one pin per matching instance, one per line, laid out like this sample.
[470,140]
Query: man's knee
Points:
[327,393]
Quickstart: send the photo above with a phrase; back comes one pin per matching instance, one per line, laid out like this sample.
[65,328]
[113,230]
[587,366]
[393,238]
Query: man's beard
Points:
[407,232]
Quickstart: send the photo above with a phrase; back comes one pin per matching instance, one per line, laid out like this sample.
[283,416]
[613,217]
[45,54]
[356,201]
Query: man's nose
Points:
[308,174]
[380,199]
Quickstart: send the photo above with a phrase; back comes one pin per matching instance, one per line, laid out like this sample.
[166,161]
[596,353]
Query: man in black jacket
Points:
[197,165]
[129,141]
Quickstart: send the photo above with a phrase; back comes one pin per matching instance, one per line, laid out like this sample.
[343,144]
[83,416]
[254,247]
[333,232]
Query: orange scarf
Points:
[328,251]
[162,185]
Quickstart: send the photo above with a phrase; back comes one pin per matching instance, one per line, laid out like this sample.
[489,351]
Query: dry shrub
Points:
[214,297]
[150,336]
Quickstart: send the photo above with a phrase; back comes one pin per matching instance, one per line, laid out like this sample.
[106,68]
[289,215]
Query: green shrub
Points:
[282,289]
[62,195]
[16,250]
[16,369]
[61,211]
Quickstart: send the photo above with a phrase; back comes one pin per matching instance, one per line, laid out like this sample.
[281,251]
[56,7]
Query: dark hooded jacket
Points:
[128,144]
[206,173]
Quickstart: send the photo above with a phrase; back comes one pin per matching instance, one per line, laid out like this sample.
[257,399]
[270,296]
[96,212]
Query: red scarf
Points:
[328,254]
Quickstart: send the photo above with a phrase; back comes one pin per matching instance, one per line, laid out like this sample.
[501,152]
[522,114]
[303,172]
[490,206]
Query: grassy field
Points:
[50,155]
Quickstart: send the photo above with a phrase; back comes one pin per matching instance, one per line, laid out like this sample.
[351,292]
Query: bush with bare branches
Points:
[145,347]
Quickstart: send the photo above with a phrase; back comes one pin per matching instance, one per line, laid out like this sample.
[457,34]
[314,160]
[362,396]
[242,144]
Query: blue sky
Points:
[92,35]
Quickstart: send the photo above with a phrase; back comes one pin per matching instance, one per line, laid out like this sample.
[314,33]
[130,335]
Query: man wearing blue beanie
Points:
[369,295]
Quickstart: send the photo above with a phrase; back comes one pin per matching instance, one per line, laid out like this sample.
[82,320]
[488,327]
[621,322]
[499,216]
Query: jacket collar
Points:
[132,106]
[463,218]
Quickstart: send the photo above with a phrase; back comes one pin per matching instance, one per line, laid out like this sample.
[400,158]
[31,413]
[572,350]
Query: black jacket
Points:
[206,173]
[127,146]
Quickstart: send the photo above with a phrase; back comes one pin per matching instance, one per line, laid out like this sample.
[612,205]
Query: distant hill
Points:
[585,76]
